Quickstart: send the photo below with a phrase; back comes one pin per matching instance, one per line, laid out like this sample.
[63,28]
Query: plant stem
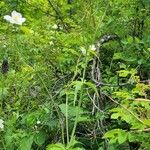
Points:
[67,133]
[79,103]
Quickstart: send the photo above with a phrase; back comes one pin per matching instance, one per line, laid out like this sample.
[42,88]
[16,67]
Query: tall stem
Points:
[80,102]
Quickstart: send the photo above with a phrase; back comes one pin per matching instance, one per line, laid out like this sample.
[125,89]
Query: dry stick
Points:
[140,100]
[125,108]
[145,130]
[93,102]
[121,84]
[96,77]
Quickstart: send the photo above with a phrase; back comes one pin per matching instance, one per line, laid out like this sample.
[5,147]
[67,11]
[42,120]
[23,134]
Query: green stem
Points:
[4,147]
[80,102]
[67,133]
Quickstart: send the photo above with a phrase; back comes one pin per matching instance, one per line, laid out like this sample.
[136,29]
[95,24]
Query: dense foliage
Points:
[75,75]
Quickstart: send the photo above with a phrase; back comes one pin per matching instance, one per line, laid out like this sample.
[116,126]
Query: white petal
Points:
[15,13]
[12,21]
[1,126]
[7,17]
[83,50]
[1,121]
[92,47]
[20,21]
[38,122]
[54,26]
[23,20]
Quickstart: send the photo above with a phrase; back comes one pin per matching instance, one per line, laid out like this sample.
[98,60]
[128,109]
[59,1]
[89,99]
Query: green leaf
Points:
[9,139]
[26,143]
[57,146]
[130,40]
[122,137]
[26,30]
[40,138]
[72,110]
[116,135]
[123,73]
[117,56]
[3,92]
[93,86]
[115,115]
[147,122]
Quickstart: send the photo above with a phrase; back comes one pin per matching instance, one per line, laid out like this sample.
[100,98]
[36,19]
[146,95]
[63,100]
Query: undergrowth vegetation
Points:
[75,75]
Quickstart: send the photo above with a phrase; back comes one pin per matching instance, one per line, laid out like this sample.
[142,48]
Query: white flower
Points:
[15,18]
[38,122]
[55,26]
[1,124]
[83,50]
[92,47]
[51,43]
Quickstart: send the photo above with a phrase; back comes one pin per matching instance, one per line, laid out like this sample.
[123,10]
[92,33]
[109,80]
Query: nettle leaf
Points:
[123,114]
[57,146]
[72,110]
[9,139]
[26,143]
[122,137]
[116,135]
[40,138]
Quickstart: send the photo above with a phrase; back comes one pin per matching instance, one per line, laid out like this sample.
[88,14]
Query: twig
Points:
[125,108]
[121,84]
[93,102]
[144,130]
[140,99]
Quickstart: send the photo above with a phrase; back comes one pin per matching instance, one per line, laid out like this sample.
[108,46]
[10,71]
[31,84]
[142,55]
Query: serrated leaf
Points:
[122,137]
[26,143]
[72,110]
